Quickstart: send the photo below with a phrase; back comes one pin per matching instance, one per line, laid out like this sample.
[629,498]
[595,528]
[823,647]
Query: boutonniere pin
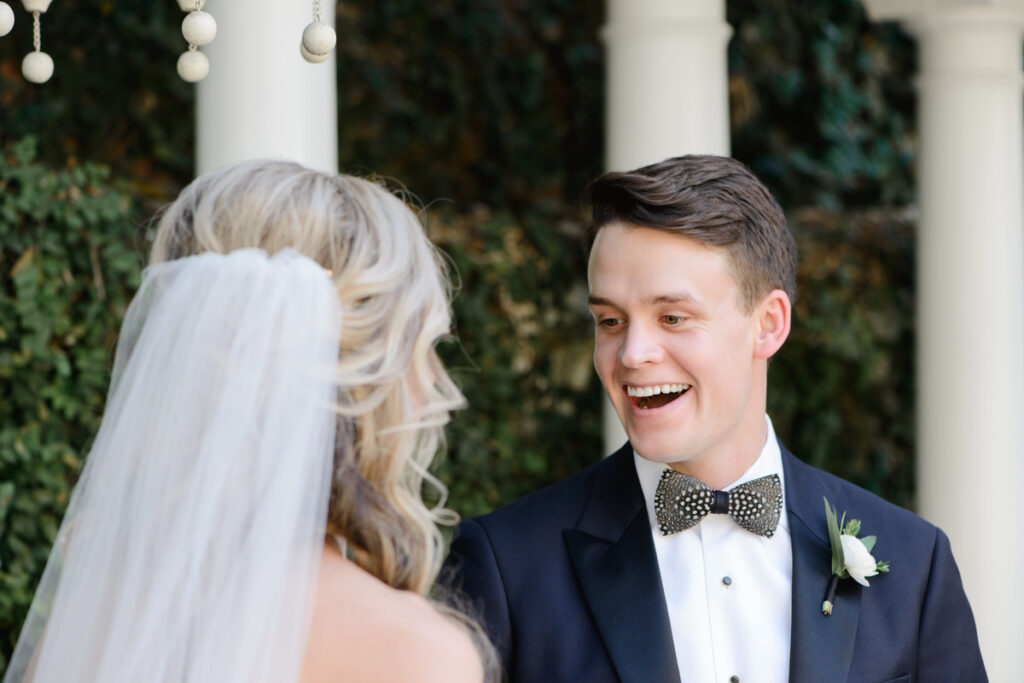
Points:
[851,556]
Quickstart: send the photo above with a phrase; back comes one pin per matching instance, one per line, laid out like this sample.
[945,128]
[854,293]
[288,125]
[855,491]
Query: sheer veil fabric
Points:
[191,546]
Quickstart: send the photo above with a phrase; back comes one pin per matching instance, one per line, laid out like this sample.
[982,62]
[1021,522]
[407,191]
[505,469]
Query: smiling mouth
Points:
[655,396]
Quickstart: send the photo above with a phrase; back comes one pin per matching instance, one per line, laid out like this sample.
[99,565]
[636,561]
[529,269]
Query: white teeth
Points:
[644,392]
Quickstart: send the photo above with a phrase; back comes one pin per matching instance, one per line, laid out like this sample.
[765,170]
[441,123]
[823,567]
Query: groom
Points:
[700,551]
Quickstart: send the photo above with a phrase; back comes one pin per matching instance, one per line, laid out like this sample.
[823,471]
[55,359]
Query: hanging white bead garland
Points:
[198,28]
[318,39]
[6,18]
[193,66]
[310,57]
[37,67]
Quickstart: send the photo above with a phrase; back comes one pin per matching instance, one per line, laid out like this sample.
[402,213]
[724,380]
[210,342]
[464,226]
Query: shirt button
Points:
[728,582]
[734,679]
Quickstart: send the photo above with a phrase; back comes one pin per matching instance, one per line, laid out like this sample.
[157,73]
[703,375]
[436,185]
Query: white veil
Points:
[191,546]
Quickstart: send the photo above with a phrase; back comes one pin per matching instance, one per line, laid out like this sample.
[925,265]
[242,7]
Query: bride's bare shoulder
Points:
[365,630]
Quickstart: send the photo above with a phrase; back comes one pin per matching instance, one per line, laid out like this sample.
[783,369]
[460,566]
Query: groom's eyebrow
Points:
[673,298]
[599,301]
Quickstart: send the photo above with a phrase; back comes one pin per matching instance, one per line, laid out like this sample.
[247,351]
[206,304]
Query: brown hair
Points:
[714,200]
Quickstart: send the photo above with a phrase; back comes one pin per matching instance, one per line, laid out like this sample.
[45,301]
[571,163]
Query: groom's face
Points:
[673,346]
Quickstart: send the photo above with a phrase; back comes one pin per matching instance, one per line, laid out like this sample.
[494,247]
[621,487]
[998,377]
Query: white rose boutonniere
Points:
[851,556]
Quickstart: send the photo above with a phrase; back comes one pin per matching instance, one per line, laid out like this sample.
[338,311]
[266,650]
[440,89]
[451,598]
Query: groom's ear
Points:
[773,317]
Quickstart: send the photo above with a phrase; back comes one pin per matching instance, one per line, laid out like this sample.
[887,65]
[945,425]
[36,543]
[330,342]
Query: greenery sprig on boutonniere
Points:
[851,556]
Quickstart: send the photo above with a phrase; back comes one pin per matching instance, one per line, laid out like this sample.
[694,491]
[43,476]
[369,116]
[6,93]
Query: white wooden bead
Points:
[193,66]
[199,28]
[188,5]
[318,38]
[6,18]
[37,67]
[36,5]
[312,58]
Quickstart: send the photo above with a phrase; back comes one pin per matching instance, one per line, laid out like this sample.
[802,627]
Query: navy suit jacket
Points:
[566,581]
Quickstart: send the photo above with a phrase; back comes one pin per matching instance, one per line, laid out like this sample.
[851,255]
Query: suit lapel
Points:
[821,647]
[613,556]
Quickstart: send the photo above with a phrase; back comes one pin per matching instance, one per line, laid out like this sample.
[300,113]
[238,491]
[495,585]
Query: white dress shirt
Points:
[728,591]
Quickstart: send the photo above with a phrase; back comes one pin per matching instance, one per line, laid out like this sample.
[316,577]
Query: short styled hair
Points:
[710,199]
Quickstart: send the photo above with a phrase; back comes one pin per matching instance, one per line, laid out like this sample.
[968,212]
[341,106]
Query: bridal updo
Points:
[393,394]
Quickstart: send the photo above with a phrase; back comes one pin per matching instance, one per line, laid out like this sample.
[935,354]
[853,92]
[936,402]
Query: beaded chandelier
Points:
[198,28]
[37,67]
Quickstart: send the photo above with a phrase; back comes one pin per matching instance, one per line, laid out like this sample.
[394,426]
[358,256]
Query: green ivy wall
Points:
[490,112]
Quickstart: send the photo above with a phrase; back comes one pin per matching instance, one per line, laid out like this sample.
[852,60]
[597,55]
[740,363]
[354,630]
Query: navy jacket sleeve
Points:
[948,640]
[472,574]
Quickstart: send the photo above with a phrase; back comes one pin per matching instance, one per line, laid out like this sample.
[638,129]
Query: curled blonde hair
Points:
[393,394]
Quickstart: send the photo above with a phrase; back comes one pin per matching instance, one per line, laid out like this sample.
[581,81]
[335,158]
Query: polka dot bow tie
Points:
[681,501]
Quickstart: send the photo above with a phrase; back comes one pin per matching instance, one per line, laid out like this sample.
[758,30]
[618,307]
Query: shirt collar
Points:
[768,462]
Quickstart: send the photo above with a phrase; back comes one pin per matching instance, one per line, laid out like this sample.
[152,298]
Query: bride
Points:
[251,507]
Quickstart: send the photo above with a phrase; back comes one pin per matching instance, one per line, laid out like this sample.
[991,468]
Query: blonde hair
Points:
[393,394]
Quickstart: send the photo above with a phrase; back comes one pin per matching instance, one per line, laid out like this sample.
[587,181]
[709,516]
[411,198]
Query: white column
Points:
[261,98]
[667,83]
[971,301]
[667,92]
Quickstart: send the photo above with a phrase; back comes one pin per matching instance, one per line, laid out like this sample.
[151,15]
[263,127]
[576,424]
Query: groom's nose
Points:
[640,346]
